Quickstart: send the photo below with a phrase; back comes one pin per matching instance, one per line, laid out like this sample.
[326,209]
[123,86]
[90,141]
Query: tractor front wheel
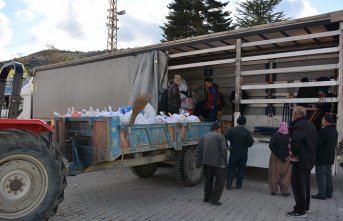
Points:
[32,176]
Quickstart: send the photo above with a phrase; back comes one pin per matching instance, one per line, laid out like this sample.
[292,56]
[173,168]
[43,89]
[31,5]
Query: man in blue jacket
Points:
[325,156]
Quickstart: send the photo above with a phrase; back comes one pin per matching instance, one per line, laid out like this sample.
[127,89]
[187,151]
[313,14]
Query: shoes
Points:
[273,193]
[286,194]
[216,203]
[238,187]
[228,187]
[328,196]
[317,197]
[296,215]
[205,200]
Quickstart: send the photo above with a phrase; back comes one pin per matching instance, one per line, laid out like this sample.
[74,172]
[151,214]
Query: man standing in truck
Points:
[174,99]
[213,99]
[212,155]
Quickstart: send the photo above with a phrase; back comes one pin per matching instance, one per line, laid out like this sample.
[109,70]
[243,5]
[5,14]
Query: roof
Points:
[308,25]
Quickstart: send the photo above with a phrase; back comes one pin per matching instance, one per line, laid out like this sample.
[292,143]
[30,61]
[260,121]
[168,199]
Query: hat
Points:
[215,126]
[329,118]
[241,120]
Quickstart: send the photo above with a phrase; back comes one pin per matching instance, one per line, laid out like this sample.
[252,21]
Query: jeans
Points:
[324,180]
[213,114]
[213,194]
[301,188]
[236,162]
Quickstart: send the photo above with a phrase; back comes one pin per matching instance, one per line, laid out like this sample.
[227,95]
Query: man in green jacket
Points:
[240,140]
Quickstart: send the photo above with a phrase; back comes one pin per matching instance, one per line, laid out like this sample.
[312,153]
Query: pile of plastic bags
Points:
[147,115]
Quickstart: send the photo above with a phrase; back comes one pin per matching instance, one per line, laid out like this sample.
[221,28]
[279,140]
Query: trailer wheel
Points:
[32,177]
[186,171]
[144,170]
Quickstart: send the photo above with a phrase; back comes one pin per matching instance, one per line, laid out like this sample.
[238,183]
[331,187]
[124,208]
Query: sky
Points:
[28,26]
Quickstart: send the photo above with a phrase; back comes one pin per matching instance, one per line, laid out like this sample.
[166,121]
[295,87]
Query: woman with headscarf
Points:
[279,162]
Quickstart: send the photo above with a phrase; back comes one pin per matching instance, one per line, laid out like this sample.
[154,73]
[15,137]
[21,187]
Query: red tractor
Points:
[32,173]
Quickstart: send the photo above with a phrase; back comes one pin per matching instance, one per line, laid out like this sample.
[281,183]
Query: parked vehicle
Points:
[32,174]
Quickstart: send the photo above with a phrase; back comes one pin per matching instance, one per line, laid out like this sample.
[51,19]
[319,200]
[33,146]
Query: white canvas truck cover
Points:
[98,84]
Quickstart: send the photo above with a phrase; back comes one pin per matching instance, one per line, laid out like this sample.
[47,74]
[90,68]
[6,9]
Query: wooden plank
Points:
[203,51]
[289,100]
[238,94]
[292,54]
[340,87]
[287,39]
[201,64]
[299,58]
[263,105]
[312,68]
[289,85]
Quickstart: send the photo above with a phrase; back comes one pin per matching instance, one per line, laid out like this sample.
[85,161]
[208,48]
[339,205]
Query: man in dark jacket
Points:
[240,140]
[163,101]
[174,99]
[302,151]
[212,154]
[325,155]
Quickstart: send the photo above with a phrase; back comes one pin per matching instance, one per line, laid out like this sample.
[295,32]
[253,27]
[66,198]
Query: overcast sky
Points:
[28,26]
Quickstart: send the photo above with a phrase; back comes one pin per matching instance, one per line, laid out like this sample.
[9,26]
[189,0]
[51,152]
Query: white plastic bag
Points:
[170,120]
[192,119]
[125,118]
[154,120]
[140,119]
[149,111]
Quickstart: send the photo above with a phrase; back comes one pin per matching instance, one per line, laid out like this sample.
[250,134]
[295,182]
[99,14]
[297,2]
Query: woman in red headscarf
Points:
[279,163]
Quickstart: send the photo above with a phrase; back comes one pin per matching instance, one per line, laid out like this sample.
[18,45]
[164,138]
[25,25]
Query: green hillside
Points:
[52,56]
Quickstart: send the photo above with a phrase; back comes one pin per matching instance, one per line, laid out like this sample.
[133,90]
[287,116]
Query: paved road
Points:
[118,195]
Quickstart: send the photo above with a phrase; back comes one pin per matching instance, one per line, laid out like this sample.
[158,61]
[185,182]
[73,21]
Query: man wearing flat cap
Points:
[325,155]
[212,155]
[240,140]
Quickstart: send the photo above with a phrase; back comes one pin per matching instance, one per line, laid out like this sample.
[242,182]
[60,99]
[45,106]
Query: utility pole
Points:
[112,26]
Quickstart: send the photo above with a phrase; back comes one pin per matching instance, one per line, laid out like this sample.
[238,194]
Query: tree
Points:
[188,18]
[185,19]
[216,18]
[258,12]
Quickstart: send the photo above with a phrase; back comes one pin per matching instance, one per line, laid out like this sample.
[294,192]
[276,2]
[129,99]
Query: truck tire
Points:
[32,177]
[144,170]
[185,165]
